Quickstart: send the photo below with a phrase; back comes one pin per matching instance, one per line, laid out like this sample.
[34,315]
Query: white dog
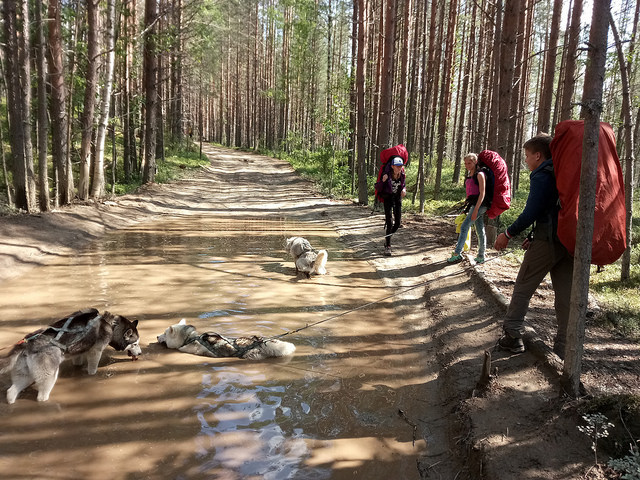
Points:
[306,259]
[186,339]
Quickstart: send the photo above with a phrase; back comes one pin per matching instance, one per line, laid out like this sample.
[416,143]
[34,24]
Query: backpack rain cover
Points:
[385,156]
[609,221]
[501,200]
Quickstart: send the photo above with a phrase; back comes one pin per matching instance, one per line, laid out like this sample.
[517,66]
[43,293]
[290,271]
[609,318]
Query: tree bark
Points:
[363,197]
[571,55]
[625,70]
[43,119]
[98,185]
[14,104]
[86,119]
[151,91]
[507,66]
[445,93]
[591,111]
[546,95]
[59,118]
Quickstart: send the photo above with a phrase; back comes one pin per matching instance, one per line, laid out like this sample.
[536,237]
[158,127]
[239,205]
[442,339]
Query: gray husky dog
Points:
[306,259]
[82,335]
[185,338]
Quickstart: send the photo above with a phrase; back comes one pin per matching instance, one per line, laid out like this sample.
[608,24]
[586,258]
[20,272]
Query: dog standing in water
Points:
[306,259]
[82,335]
[186,338]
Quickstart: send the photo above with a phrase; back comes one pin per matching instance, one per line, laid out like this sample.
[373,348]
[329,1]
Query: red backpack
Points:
[385,156]
[501,198]
[609,221]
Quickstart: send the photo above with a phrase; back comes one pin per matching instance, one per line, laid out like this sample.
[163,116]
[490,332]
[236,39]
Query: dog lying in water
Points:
[306,259]
[185,338]
[83,336]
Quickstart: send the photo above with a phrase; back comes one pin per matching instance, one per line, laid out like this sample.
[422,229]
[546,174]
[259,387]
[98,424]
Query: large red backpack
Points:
[609,222]
[501,199]
[385,156]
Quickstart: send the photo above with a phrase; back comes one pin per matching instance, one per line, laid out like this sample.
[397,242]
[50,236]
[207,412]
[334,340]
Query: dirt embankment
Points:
[522,426]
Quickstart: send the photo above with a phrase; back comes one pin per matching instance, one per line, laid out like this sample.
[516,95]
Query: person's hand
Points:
[526,243]
[501,242]
[403,192]
[474,215]
[384,177]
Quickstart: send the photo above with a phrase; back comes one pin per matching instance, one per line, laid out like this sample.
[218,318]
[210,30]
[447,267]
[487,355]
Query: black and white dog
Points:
[186,338]
[306,259]
[82,335]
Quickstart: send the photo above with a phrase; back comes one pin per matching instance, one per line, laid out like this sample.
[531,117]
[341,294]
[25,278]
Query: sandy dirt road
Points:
[384,388]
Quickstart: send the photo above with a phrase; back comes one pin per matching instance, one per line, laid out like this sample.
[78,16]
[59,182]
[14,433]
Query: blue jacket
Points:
[542,203]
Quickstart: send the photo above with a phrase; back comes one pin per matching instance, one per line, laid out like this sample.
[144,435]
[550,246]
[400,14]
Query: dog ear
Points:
[135,324]
[182,322]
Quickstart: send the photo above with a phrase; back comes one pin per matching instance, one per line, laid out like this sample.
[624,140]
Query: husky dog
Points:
[306,259]
[185,338]
[82,335]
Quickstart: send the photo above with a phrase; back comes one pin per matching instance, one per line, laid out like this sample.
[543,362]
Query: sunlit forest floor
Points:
[522,426]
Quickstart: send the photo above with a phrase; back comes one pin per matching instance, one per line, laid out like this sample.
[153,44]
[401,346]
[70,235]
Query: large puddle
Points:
[329,411]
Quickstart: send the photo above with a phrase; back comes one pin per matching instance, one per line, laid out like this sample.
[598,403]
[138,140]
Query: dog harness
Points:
[239,351]
[60,331]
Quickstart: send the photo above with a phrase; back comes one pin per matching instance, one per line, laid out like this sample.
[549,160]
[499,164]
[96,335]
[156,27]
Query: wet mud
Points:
[343,406]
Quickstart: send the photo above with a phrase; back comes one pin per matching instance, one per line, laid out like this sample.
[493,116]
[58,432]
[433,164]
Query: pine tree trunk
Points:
[591,111]
[445,92]
[546,94]
[360,110]
[98,185]
[151,91]
[43,119]
[571,54]
[59,117]
[14,109]
[386,80]
[86,119]
[625,70]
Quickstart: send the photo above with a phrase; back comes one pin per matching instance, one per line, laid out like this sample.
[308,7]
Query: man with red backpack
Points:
[545,253]
[390,189]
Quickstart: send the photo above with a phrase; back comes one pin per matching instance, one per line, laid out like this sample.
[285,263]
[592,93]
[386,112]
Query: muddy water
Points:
[330,411]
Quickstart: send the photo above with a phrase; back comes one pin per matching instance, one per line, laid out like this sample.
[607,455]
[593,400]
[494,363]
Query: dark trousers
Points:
[541,258]
[392,215]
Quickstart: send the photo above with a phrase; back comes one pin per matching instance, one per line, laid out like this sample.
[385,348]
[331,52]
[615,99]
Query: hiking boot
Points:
[479,259]
[507,342]
[387,251]
[455,258]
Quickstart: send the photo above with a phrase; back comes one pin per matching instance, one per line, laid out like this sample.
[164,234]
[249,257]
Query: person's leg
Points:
[388,205]
[397,212]
[464,230]
[562,279]
[482,238]
[537,262]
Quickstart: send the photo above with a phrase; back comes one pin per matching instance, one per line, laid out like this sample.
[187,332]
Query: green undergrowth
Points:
[178,161]
[619,300]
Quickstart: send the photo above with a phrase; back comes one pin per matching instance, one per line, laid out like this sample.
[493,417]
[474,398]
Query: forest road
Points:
[389,349]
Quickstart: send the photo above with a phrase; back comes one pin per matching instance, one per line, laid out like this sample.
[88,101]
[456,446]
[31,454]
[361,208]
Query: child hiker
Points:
[391,188]
[476,205]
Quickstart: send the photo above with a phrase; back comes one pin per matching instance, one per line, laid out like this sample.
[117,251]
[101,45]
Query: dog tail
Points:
[8,361]
[320,263]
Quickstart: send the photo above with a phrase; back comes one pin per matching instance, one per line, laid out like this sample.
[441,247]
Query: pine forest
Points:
[97,92]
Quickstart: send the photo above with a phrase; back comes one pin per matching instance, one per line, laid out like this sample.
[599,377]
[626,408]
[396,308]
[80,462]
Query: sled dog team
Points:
[83,336]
